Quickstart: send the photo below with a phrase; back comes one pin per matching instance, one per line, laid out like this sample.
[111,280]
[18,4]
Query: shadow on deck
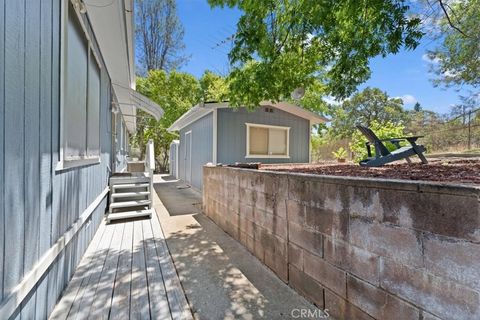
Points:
[127,272]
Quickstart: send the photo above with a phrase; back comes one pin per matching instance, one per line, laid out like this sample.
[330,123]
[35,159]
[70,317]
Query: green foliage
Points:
[214,88]
[382,130]
[456,61]
[341,153]
[282,45]
[176,93]
[417,107]
[366,107]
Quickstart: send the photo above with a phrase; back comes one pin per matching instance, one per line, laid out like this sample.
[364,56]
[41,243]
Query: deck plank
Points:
[159,308]
[88,286]
[121,292]
[127,273]
[63,307]
[176,297]
[139,302]
[100,306]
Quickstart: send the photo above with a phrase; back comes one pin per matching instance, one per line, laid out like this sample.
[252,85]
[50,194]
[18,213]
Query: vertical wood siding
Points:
[231,144]
[37,203]
[2,139]
[202,144]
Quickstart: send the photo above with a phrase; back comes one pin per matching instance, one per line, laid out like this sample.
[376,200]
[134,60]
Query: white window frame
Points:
[264,156]
[64,163]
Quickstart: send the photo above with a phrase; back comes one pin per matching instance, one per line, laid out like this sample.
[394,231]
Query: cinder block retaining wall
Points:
[361,248]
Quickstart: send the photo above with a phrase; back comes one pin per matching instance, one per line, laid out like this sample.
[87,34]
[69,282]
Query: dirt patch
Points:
[461,170]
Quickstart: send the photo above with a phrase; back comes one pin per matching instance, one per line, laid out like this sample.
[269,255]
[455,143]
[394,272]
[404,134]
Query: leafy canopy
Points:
[176,93]
[367,107]
[456,61]
[282,45]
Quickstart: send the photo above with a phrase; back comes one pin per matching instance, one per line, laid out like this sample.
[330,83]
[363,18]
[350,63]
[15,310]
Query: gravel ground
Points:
[444,170]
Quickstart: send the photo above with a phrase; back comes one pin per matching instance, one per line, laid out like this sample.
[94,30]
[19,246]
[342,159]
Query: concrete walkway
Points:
[221,279]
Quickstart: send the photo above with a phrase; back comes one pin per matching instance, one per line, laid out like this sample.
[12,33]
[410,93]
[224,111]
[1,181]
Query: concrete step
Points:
[120,195]
[130,185]
[129,215]
[126,204]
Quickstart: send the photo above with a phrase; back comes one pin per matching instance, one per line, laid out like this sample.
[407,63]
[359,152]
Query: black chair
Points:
[383,156]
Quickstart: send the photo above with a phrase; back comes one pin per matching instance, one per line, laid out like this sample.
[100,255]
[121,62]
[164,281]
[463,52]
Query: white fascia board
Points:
[189,117]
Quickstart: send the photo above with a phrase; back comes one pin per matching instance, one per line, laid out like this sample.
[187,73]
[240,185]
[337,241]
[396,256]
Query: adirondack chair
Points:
[383,156]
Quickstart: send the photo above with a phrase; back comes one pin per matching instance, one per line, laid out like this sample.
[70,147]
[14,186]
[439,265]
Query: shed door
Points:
[188,157]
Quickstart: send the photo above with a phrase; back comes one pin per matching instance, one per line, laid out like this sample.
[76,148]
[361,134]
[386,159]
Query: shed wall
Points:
[232,134]
[38,204]
[202,144]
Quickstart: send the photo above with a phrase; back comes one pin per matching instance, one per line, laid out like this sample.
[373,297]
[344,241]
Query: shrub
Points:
[383,131]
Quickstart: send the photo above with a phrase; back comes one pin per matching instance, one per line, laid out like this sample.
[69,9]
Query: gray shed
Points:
[216,133]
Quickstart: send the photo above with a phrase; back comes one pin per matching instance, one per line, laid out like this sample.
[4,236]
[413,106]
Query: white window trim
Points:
[269,156]
[63,163]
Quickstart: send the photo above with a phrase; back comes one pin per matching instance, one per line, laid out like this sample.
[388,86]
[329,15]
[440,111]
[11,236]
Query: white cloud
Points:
[331,100]
[408,99]
[427,58]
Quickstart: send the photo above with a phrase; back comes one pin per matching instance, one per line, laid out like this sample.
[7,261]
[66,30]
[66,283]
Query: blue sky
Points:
[403,75]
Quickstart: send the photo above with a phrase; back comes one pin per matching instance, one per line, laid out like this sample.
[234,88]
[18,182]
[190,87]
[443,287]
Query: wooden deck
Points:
[127,272]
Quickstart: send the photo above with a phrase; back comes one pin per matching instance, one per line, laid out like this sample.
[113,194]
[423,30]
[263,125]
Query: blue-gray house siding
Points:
[232,134]
[201,150]
[38,203]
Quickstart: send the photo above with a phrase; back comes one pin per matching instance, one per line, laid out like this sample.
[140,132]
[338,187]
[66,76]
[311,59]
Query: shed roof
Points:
[201,110]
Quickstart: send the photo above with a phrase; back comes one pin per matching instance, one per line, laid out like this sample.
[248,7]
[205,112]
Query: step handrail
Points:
[150,165]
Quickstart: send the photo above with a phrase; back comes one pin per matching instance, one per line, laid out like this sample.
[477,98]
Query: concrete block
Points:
[297,189]
[443,298]
[398,243]
[280,208]
[359,262]
[258,250]
[327,221]
[340,308]
[306,286]
[272,223]
[246,211]
[305,238]
[295,256]
[295,212]
[377,302]
[453,259]
[278,264]
[326,274]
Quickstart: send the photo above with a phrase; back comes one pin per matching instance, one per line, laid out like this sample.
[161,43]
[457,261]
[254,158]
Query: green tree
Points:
[456,61]
[176,93]
[282,45]
[213,87]
[159,35]
[382,130]
[417,107]
[367,107]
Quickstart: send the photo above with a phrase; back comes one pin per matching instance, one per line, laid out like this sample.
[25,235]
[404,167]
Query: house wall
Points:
[361,248]
[37,203]
[232,134]
[202,142]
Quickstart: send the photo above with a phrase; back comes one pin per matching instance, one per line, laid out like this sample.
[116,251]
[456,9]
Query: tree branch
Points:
[450,22]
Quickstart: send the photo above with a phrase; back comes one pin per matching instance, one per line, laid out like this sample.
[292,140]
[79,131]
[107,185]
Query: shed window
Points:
[264,141]
[81,95]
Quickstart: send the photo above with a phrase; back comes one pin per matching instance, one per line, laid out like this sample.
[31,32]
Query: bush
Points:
[383,131]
